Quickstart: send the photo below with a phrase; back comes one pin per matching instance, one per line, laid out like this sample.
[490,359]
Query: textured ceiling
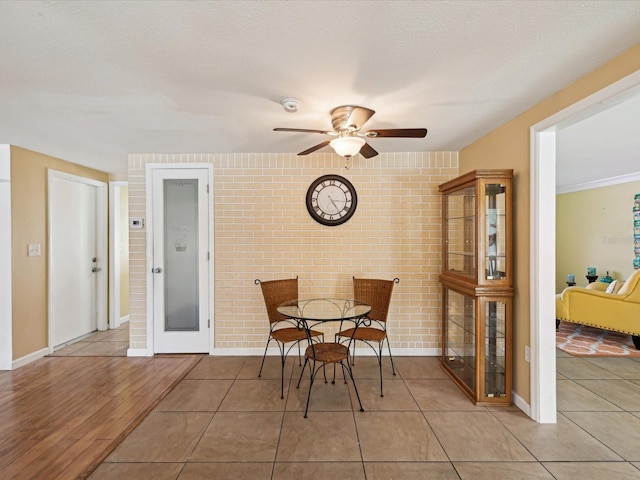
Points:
[92,81]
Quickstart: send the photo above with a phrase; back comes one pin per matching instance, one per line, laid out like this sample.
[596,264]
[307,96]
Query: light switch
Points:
[34,250]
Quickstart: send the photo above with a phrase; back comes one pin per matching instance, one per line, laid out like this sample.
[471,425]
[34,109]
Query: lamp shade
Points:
[347,146]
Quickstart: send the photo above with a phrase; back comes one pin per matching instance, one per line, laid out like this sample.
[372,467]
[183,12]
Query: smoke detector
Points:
[290,105]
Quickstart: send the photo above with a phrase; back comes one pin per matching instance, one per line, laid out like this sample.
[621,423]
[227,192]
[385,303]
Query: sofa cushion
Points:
[614,286]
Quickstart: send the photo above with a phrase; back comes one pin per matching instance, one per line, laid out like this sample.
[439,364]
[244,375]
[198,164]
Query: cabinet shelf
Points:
[477,284]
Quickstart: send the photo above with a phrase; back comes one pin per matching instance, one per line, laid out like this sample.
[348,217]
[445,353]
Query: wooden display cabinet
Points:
[477,284]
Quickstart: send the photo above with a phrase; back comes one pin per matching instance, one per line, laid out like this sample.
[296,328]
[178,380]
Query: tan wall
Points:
[594,228]
[263,230]
[508,147]
[29,226]
[124,251]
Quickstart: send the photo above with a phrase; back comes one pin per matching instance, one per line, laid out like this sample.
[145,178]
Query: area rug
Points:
[581,340]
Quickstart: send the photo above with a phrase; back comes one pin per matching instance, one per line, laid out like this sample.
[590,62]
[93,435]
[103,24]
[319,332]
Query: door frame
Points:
[542,405]
[150,167]
[115,236]
[101,246]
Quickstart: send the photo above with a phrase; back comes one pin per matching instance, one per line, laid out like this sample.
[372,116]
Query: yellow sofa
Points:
[591,306]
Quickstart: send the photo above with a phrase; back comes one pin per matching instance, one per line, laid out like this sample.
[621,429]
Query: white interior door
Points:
[76,257]
[181,261]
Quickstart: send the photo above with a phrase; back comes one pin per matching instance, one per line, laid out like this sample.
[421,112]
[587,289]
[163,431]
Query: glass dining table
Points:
[309,313]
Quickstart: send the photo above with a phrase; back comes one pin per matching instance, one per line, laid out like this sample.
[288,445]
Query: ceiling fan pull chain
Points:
[346,162]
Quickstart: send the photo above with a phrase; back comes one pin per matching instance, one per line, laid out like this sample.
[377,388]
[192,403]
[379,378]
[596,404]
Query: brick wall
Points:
[263,230]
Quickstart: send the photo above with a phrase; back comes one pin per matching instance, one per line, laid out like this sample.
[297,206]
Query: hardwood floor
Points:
[61,416]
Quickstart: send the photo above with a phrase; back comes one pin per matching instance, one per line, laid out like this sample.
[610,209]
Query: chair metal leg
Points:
[306,360]
[263,357]
[393,368]
[352,381]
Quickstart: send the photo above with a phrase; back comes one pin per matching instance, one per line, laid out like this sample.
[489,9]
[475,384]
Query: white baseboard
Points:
[139,352]
[360,351]
[521,404]
[32,357]
[124,319]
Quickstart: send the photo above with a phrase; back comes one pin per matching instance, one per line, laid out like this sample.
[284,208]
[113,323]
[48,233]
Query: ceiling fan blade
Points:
[367,151]
[313,149]
[350,116]
[398,132]
[302,130]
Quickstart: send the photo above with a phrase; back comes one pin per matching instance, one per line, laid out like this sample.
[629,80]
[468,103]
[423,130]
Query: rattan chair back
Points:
[276,292]
[376,293]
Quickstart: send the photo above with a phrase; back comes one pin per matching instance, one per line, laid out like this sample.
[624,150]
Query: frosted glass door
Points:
[181,255]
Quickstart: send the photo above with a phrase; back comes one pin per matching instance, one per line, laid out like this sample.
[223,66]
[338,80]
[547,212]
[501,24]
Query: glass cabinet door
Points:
[459,352]
[460,232]
[495,353]
[495,256]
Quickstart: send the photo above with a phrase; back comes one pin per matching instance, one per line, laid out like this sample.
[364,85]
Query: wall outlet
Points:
[527,353]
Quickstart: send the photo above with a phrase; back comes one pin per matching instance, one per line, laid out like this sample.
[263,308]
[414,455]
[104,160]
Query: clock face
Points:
[331,200]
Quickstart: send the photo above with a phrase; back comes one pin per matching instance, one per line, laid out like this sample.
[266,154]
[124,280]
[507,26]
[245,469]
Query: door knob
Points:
[156,270]
[96,269]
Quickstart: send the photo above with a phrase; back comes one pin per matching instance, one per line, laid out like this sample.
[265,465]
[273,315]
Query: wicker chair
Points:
[282,329]
[376,293]
[318,355]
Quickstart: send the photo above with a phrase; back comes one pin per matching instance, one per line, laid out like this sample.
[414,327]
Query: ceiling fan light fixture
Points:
[347,146]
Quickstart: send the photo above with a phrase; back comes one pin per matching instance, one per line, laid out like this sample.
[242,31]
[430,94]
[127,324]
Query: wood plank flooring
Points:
[60,417]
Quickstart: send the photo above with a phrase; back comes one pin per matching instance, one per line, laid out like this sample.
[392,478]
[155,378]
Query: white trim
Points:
[605,182]
[521,404]
[124,319]
[32,357]
[149,168]
[542,238]
[114,252]
[6,326]
[101,246]
[361,351]
[139,352]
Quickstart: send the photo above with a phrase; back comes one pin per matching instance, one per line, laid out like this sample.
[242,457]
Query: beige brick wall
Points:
[263,230]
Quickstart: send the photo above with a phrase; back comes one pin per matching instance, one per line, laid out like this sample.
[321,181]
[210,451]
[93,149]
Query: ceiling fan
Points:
[347,121]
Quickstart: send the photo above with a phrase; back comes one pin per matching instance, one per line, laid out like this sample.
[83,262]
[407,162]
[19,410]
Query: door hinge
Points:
[209,323]
[207,188]
[208,255]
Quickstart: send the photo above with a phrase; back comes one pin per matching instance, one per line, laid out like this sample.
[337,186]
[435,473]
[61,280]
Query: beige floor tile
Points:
[195,396]
[259,395]
[580,368]
[272,368]
[137,471]
[396,395]
[439,395]
[410,471]
[69,349]
[319,470]
[623,367]
[572,396]
[325,397]
[163,437]
[620,431]
[322,437]
[419,367]
[593,471]
[101,349]
[476,436]
[367,367]
[623,393]
[240,437]
[227,471]
[562,441]
[217,368]
[502,470]
[397,436]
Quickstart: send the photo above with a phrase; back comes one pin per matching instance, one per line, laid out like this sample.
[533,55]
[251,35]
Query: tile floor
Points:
[222,422]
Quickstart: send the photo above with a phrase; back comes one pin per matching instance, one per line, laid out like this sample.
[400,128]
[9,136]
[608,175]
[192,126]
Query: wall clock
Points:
[331,200]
